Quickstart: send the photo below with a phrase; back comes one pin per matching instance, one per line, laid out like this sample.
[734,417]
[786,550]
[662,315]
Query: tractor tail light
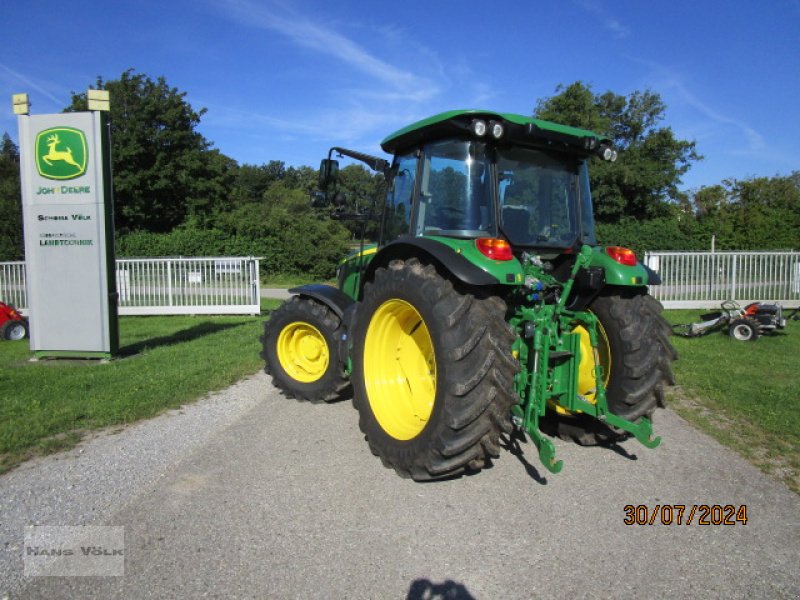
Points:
[623,256]
[494,248]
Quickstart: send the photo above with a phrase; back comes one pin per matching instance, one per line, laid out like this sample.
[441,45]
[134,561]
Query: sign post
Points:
[65,164]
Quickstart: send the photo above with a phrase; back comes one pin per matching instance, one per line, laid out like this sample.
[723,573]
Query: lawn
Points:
[165,362]
[745,394]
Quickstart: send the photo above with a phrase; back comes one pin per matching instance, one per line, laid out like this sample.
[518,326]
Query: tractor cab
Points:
[503,183]
[475,174]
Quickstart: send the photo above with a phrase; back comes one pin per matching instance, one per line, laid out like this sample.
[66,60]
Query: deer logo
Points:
[54,154]
[61,153]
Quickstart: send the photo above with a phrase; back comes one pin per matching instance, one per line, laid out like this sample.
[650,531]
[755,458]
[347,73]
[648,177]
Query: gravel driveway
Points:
[247,494]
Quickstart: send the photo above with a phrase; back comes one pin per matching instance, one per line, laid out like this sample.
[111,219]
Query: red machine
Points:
[13,325]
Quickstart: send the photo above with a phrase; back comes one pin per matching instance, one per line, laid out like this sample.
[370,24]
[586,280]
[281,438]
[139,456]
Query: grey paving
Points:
[276,293]
[284,500]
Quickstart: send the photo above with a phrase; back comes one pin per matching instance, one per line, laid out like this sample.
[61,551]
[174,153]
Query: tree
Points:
[164,170]
[11,239]
[651,162]
[760,213]
[364,191]
[289,235]
[253,180]
[795,179]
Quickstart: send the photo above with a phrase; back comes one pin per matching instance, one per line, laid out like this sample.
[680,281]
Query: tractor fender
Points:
[439,254]
[637,275]
[328,295]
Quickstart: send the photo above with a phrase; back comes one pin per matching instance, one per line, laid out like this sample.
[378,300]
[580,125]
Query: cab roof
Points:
[518,129]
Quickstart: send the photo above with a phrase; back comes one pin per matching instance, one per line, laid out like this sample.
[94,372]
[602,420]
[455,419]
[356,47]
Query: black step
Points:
[560,355]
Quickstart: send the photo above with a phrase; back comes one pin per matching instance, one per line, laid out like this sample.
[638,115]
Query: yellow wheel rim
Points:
[303,352]
[586,383]
[399,369]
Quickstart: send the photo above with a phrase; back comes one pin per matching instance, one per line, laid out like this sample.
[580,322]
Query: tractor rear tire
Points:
[300,344]
[433,373]
[638,363]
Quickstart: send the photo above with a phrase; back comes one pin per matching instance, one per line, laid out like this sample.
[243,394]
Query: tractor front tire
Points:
[637,357]
[300,350]
[433,372]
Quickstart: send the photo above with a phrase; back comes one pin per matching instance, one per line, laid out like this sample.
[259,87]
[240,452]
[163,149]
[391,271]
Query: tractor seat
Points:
[516,223]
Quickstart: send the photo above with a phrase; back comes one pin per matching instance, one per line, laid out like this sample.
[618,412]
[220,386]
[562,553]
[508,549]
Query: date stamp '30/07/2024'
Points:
[685,514]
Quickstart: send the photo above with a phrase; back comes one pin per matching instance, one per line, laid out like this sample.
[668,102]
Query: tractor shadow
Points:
[511,443]
[615,447]
[179,337]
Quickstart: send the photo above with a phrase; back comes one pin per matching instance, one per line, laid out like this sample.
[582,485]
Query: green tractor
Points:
[484,308]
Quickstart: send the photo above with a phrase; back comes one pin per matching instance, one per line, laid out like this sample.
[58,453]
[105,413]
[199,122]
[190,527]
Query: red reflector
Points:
[623,256]
[494,248]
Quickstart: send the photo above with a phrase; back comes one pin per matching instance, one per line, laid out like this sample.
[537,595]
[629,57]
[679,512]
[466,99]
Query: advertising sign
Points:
[69,242]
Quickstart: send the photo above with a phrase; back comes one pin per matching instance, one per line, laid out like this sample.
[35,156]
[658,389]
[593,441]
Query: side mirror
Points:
[328,172]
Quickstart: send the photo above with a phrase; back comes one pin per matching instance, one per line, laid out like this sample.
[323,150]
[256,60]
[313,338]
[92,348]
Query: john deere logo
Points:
[61,153]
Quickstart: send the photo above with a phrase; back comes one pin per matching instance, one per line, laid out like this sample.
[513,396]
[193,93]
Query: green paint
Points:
[61,153]
[507,272]
[351,267]
[616,273]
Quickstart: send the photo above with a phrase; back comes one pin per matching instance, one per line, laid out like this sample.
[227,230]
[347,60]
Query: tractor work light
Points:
[623,256]
[608,153]
[494,248]
[497,130]
[478,127]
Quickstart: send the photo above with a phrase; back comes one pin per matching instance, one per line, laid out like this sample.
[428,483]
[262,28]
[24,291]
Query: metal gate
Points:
[12,284]
[704,279]
[167,286]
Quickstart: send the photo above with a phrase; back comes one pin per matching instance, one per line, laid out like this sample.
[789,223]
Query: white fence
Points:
[704,279]
[12,284]
[225,285]
[167,286]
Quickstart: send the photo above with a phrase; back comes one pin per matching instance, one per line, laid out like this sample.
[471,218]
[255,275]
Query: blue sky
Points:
[287,79]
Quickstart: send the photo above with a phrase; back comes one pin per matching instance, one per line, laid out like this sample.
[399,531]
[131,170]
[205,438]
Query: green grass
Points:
[165,362]
[745,394]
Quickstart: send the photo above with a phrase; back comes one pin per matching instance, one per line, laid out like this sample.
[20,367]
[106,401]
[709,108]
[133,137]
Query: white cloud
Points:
[27,81]
[666,79]
[348,125]
[377,98]
[308,34]
[609,22]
